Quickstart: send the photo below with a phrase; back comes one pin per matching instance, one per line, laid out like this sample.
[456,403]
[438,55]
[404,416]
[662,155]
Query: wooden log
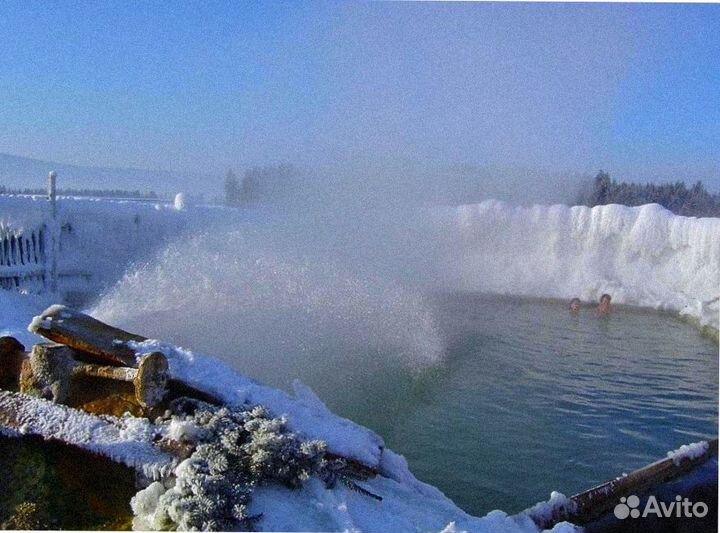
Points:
[12,353]
[149,380]
[598,500]
[593,503]
[87,335]
[22,415]
[105,344]
[50,372]
[56,373]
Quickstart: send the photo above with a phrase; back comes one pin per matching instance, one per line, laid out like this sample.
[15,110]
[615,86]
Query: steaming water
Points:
[274,312]
[495,401]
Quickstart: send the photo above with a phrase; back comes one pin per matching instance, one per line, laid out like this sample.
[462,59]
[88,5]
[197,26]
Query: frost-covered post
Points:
[180,202]
[52,193]
[54,229]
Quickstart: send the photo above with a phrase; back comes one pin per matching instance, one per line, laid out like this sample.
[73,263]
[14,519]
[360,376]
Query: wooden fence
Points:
[24,259]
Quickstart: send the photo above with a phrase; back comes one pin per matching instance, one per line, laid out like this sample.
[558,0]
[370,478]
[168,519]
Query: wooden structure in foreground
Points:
[588,506]
[596,501]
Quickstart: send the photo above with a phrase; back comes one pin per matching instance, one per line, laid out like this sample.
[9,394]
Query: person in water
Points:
[603,309]
[575,306]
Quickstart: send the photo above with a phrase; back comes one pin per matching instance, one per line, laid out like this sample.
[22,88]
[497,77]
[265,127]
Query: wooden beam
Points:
[106,344]
[22,415]
[589,505]
[87,334]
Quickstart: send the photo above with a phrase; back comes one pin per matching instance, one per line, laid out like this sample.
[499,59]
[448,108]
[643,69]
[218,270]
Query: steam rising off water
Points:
[334,288]
[273,311]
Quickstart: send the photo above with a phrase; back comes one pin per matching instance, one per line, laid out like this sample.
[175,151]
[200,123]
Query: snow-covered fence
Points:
[28,252]
[23,258]
[83,245]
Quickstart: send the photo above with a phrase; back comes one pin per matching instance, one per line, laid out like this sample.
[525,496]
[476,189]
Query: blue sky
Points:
[200,87]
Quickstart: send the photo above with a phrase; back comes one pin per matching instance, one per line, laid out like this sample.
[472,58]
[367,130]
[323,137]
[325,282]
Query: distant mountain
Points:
[25,172]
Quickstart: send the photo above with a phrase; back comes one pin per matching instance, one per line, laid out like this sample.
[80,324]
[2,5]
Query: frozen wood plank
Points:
[106,344]
[86,334]
[602,498]
[108,436]
[589,505]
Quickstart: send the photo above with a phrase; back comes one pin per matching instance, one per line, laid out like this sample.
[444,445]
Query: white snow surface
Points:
[402,509]
[22,212]
[688,451]
[644,256]
[101,237]
[306,413]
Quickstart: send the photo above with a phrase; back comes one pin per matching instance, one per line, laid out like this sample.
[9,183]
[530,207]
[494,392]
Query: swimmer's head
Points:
[604,306]
[575,305]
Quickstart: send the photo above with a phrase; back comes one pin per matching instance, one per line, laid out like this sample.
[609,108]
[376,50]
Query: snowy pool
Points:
[530,399]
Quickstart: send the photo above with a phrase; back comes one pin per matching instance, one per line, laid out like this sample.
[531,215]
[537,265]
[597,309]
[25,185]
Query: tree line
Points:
[259,184]
[269,184]
[676,197]
[102,193]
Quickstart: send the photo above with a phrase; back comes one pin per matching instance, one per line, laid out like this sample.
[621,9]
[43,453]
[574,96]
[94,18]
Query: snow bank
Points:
[306,413]
[402,509]
[643,256]
[408,505]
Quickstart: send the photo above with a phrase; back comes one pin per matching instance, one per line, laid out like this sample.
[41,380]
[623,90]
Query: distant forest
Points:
[259,184]
[95,193]
[695,201]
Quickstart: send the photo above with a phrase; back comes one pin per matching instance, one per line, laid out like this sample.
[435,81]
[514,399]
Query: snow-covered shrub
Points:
[236,450]
[28,516]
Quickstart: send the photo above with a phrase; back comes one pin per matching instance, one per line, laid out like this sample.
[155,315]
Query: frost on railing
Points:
[29,248]
[23,257]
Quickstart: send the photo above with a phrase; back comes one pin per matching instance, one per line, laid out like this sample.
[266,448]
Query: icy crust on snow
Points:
[688,451]
[125,440]
[644,256]
[306,413]
[314,508]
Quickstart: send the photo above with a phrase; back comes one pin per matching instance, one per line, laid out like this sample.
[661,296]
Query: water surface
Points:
[531,399]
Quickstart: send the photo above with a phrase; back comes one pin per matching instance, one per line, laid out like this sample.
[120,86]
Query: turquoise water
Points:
[530,399]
